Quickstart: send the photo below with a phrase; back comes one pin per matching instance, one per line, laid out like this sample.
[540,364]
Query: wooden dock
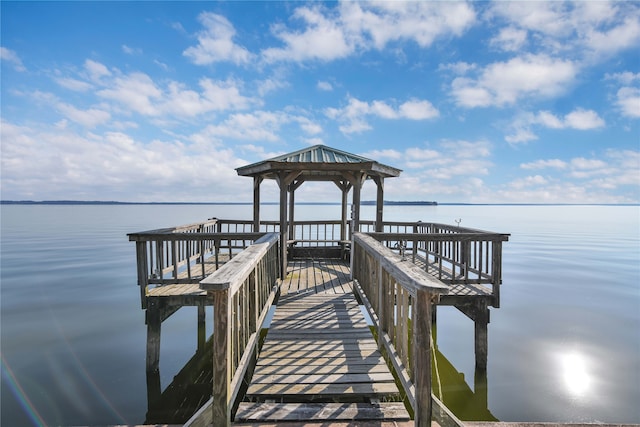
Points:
[319,360]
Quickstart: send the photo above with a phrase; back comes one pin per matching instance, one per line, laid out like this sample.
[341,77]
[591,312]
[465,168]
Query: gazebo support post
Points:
[357,187]
[379,202]
[257,180]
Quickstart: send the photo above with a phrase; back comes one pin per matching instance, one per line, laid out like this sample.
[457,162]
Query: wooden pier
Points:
[321,360]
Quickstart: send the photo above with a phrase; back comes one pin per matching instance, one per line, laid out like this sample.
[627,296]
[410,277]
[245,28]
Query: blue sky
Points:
[481,102]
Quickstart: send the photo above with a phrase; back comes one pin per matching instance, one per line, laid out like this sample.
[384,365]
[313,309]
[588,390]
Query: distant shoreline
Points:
[364,203]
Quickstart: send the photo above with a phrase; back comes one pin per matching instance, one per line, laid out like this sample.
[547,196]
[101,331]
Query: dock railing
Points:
[451,254]
[180,255]
[399,296]
[242,291]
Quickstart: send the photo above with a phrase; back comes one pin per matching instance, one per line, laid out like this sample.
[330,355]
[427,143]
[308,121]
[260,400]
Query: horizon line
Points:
[417,202]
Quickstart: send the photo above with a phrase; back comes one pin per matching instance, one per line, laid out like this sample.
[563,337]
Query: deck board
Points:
[319,349]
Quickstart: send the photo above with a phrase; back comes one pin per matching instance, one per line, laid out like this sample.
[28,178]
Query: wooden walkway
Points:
[319,360]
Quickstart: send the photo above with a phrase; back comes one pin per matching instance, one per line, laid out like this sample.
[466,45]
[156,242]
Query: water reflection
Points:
[451,387]
[192,386]
[188,391]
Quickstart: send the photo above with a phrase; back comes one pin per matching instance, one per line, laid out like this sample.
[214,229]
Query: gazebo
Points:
[318,163]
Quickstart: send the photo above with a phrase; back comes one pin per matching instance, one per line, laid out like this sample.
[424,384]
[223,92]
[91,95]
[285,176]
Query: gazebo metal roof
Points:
[318,163]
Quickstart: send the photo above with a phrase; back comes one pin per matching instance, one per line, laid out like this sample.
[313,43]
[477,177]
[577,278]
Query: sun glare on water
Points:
[575,373]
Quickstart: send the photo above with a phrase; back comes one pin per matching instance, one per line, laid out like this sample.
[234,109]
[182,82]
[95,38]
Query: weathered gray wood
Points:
[410,276]
[221,411]
[422,356]
[257,180]
[379,201]
[320,347]
[234,272]
[381,390]
[271,412]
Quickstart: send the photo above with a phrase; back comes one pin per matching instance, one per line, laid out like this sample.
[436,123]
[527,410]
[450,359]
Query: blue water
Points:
[563,347]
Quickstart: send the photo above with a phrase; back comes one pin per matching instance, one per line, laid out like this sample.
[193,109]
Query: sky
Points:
[479,102]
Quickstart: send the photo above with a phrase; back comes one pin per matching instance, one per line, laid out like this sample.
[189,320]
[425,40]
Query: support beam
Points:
[344,187]
[292,202]
[257,180]
[283,177]
[221,412]
[154,324]
[379,202]
[481,323]
[478,311]
[422,356]
[292,191]
[202,327]
[356,179]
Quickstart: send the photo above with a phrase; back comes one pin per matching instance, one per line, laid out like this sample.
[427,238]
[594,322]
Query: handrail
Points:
[399,297]
[184,254]
[242,291]
[453,254]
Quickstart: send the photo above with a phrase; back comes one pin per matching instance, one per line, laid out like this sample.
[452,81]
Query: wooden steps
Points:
[319,360]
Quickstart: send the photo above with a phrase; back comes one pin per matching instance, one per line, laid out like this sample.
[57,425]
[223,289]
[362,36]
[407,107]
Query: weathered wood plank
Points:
[346,378]
[313,391]
[322,369]
[320,411]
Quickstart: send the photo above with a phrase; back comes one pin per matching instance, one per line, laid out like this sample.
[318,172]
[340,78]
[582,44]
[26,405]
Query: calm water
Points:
[564,346]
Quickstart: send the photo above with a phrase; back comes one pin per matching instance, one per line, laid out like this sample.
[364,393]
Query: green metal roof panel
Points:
[320,163]
[320,154]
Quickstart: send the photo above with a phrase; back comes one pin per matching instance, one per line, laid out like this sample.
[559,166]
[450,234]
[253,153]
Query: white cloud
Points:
[261,126]
[88,118]
[137,92]
[74,84]
[509,39]
[543,164]
[96,70]
[384,154]
[625,77]
[610,40]
[505,83]
[628,100]
[460,67]
[326,34]
[586,30]
[578,119]
[451,159]
[582,163]
[529,181]
[418,110]
[322,39]
[215,42]
[131,50]
[354,115]
[520,135]
[379,23]
[54,164]
[325,86]
[583,120]
[12,57]
[270,85]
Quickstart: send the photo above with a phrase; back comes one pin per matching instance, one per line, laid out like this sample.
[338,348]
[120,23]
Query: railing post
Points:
[496,271]
[221,411]
[143,271]
[422,357]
